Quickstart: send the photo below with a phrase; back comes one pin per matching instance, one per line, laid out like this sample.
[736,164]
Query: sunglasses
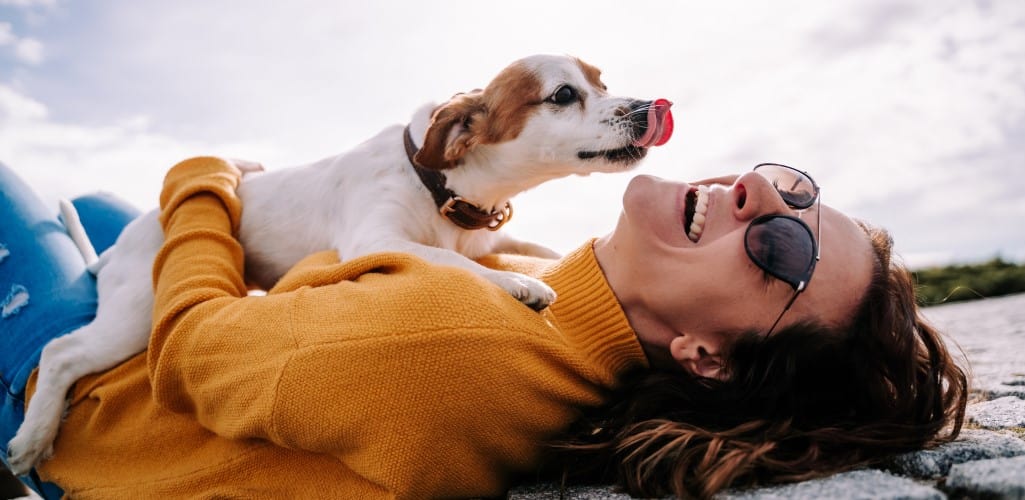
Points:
[783,245]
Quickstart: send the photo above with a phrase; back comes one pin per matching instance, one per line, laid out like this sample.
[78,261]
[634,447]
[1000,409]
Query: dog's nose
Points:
[637,114]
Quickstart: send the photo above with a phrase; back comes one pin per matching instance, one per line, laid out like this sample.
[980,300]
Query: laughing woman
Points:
[847,373]
[726,332]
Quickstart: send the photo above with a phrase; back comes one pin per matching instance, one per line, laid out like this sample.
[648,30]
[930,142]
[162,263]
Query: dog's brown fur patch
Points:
[510,99]
[496,114]
[593,75]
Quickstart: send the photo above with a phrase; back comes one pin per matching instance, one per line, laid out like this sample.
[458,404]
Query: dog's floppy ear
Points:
[451,132]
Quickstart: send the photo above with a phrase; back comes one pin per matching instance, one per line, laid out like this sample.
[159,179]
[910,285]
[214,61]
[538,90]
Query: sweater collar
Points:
[589,315]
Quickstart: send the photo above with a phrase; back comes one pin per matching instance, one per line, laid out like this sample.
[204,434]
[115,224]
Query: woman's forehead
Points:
[843,274]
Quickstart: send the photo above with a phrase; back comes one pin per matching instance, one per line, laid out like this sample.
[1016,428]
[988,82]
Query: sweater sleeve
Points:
[198,277]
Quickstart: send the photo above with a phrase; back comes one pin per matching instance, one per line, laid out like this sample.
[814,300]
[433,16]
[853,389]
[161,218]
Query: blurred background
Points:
[910,114]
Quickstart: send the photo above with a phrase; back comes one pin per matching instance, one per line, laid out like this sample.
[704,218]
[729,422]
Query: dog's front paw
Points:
[532,292]
[26,450]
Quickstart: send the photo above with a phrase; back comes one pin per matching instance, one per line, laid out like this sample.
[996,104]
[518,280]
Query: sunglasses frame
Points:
[816,238]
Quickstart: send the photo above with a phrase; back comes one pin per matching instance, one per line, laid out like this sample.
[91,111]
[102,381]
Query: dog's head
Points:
[550,114]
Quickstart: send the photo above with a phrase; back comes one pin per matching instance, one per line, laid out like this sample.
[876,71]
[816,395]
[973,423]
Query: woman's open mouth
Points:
[695,208]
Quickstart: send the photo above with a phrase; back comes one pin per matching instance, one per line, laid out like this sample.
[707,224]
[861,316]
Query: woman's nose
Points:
[754,195]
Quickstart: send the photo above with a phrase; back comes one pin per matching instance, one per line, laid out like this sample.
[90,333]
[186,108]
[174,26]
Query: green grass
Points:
[993,278]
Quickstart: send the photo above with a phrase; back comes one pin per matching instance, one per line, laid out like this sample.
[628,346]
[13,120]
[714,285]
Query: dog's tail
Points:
[77,232]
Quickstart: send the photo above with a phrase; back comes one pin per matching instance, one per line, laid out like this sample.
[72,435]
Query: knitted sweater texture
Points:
[380,377]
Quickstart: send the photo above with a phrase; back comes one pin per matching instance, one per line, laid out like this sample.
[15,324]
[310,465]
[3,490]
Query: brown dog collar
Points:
[450,205]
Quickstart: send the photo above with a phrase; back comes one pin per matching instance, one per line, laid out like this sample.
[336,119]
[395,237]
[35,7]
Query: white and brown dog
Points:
[437,188]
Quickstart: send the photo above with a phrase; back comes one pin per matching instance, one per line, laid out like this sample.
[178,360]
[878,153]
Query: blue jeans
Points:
[45,290]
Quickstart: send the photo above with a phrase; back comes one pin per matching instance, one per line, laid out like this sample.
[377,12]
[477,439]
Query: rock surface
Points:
[995,478]
[971,445]
[848,485]
[1001,413]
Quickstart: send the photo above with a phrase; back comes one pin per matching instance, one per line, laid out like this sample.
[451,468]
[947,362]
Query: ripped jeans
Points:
[45,290]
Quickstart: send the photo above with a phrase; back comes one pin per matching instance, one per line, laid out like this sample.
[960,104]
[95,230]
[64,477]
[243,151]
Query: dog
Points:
[438,188]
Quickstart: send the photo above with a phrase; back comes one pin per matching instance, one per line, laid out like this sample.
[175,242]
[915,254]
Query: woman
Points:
[848,380]
[674,360]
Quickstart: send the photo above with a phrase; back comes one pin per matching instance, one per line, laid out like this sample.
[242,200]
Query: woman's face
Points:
[688,299]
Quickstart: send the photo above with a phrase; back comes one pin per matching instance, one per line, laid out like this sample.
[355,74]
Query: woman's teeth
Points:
[697,225]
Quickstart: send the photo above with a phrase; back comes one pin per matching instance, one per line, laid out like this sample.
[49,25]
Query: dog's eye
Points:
[564,95]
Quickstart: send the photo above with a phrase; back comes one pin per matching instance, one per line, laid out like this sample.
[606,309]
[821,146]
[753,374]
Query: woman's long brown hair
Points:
[808,401]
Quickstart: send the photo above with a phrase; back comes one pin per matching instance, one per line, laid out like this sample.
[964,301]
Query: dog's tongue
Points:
[660,125]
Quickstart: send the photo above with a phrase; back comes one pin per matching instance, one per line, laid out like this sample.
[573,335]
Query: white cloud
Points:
[29,50]
[66,160]
[29,3]
[919,260]
[6,34]
[16,108]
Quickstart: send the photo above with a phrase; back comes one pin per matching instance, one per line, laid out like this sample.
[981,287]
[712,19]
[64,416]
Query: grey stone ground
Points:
[986,461]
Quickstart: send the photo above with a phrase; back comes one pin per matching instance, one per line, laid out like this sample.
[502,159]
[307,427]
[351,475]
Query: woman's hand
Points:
[246,166]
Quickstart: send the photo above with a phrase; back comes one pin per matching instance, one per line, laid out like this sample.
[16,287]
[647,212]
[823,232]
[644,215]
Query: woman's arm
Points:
[198,274]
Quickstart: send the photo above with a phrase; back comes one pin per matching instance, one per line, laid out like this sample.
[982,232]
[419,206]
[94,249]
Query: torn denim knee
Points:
[16,299]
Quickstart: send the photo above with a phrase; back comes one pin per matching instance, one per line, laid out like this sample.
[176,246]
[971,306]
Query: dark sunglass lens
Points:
[796,188]
[781,246]
[798,199]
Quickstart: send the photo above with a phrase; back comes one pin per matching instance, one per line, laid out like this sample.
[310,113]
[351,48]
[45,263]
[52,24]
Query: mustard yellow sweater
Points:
[382,377]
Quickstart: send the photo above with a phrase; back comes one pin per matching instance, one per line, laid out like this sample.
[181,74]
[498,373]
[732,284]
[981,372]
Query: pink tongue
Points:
[660,125]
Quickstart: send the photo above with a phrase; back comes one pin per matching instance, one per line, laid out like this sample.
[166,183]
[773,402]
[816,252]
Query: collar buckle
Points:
[469,216]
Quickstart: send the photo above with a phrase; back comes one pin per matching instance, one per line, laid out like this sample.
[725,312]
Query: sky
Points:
[909,114]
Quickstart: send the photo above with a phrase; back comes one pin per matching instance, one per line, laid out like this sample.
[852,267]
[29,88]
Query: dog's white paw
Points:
[532,292]
[28,448]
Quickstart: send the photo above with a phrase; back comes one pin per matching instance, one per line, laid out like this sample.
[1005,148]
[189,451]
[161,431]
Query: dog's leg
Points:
[508,244]
[530,291]
[120,330]
[115,335]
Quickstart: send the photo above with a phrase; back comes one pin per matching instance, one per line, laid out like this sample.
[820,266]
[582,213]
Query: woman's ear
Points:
[450,134]
[696,357]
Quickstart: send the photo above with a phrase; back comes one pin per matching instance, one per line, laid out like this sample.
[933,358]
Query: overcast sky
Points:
[910,114]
